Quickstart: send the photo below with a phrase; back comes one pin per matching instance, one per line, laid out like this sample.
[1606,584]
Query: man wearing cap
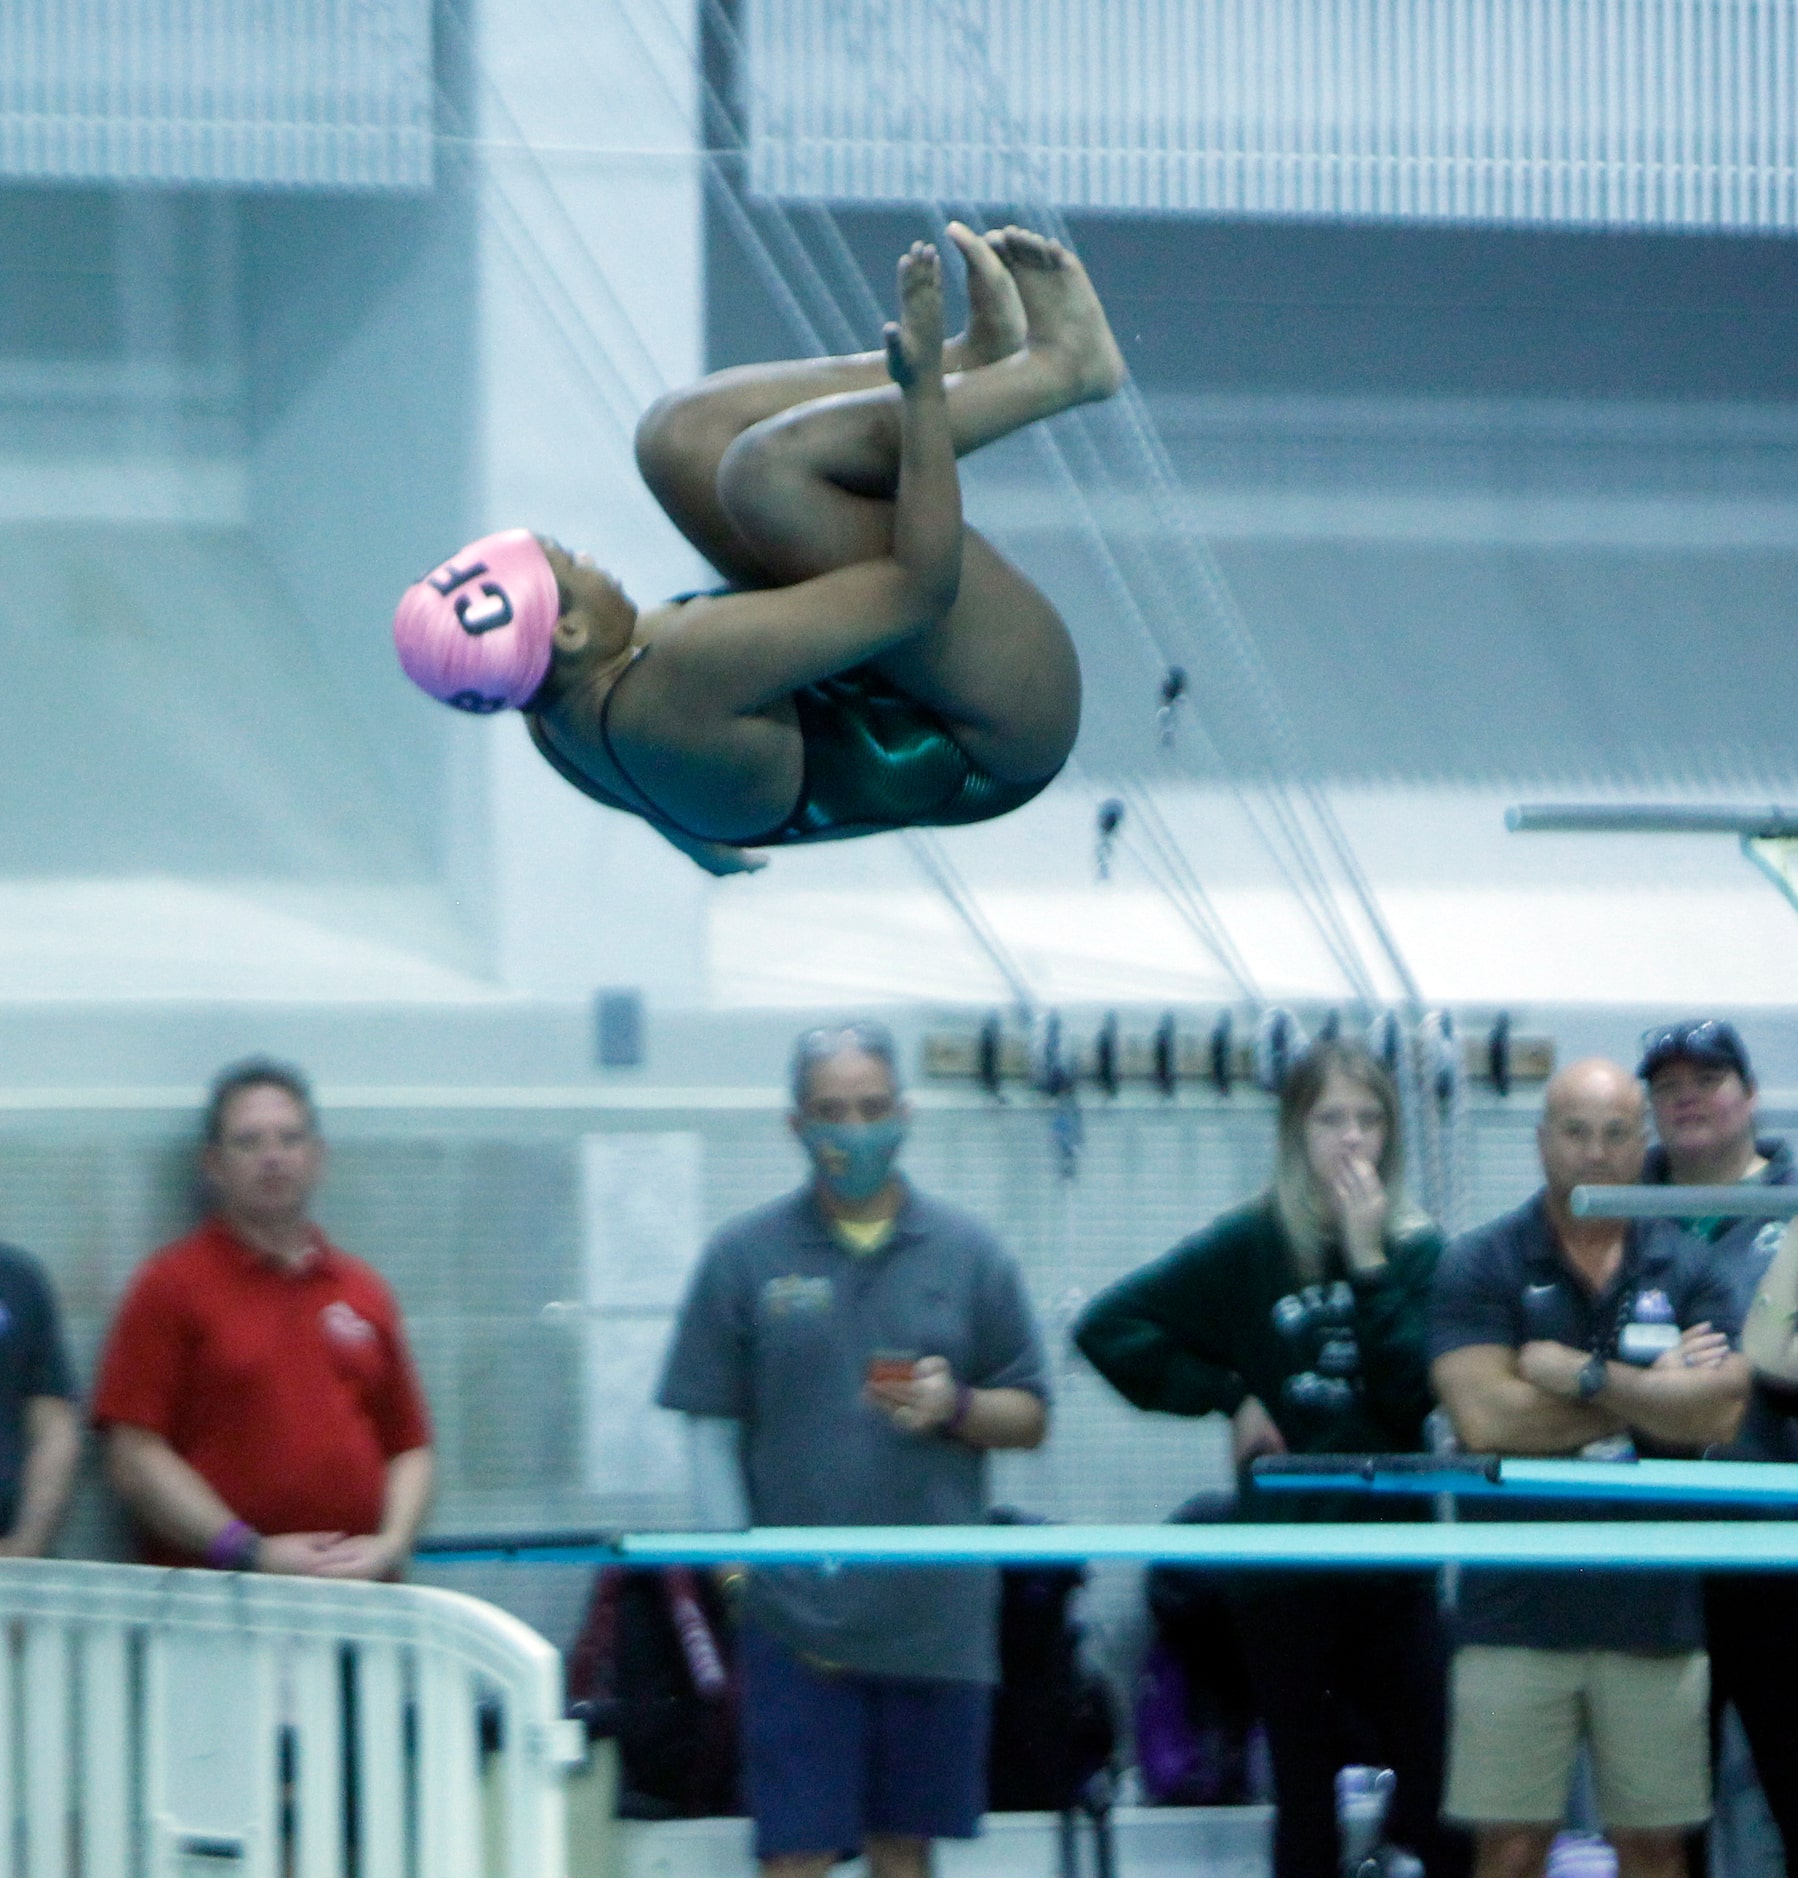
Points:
[848,1355]
[1702,1091]
[1701,1087]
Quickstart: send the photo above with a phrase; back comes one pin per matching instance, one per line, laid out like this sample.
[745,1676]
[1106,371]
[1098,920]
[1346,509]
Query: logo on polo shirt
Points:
[343,1323]
[793,1296]
[1653,1306]
[1653,1328]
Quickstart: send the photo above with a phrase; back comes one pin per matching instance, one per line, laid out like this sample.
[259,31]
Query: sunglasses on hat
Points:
[1711,1040]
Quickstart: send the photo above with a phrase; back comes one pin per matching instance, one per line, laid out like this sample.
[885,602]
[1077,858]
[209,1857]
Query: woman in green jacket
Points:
[1301,1315]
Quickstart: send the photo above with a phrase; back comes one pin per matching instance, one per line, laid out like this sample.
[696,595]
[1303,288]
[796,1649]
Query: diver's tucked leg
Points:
[805,488]
[999,668]
[682,438]
[808,489]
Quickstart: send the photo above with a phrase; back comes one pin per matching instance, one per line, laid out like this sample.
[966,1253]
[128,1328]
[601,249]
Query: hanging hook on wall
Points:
[992,1056]
[1110,820]
[1279,1042]
[1105,1054]
[1439,1054]
[1173,691]
[1498,1053]
[1055,1079]
[1223,1053]
[1167,1056]
[1386,1041]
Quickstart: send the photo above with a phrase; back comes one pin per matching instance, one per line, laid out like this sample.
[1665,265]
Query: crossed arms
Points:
[1526,1401]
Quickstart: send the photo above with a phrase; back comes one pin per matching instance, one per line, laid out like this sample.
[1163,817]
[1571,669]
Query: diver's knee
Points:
[678,436]
[756,478]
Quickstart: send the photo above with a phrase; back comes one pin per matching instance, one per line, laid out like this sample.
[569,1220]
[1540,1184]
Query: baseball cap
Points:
[1708,1040]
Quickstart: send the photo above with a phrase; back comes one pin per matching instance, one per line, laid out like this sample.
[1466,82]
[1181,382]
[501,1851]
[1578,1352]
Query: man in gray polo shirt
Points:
[849,1354]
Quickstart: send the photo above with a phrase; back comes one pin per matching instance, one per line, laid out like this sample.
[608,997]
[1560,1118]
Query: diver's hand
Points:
[914,342]
[720,858]
[716,857]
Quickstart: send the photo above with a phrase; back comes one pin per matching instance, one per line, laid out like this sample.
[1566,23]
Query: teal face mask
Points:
[853,1159]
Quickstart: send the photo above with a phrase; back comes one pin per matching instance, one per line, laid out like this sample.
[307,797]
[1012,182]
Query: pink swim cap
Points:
[476,632]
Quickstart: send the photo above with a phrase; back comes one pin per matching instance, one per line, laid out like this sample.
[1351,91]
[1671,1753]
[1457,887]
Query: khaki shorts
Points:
[1517,1719]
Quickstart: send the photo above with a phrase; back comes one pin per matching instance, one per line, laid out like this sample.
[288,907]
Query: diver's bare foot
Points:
[996,324]
[1065,324]
[915,343]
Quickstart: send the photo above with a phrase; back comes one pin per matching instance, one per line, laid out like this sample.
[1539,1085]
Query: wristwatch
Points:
[1591,1379]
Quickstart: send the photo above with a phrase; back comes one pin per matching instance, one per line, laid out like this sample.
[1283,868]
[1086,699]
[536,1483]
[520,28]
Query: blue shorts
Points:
[830,1757]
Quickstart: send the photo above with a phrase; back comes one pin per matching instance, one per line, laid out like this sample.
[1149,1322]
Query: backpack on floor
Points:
[1198,1740]
[654,1669]
[1054,1731]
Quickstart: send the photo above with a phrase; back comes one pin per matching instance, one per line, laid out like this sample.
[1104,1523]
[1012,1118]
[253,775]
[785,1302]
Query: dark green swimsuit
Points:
[875,760]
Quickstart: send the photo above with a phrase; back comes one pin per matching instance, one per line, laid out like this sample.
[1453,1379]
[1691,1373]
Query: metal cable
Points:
[1240,647]
[1194,907]
[929,854]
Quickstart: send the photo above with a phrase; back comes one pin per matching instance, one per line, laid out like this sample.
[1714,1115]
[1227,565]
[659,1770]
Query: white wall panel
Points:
[1672,113]
[325,93]
[590,307]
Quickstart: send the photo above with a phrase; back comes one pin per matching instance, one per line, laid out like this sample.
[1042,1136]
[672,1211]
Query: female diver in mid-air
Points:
[874,664]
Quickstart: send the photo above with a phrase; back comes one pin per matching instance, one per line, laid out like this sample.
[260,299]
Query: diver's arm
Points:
[927,530]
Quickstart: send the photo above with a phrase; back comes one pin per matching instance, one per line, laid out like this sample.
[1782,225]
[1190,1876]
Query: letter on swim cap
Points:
[482,649]
[485,619]
[449,576]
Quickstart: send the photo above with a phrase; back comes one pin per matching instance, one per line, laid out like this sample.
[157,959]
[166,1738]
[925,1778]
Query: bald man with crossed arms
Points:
[1600,1338]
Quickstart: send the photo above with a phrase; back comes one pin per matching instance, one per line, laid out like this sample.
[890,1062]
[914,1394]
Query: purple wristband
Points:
[964,1401]
[232,1548]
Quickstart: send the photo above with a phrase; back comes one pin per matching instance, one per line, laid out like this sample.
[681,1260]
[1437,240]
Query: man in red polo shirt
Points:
[259,1407]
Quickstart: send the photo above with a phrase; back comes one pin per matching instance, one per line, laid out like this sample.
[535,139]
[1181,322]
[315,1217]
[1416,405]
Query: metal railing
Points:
[166,1722]
[1676,1487]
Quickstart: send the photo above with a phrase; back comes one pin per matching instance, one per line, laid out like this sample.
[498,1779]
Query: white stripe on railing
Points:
[46,1730]
[380,1761]
[1608,112]
[106,1748]
[320,1786]
[165,1710]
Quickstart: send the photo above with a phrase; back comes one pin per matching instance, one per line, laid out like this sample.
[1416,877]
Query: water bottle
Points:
[1363,1795]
